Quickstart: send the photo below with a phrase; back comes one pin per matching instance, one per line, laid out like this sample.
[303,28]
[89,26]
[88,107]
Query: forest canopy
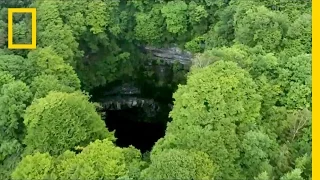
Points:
[243,110]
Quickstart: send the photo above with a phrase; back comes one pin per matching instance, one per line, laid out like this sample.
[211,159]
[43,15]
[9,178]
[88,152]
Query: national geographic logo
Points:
[33,44]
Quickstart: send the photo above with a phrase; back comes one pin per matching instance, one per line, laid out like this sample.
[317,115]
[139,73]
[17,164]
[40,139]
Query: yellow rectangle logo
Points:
[33,44]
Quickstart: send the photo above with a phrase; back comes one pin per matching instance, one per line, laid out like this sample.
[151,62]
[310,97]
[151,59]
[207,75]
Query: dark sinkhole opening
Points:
[138,114]
[137,108]
[132,129]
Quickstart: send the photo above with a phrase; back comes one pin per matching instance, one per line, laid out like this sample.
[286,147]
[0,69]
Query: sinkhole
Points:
[137,109]
[141,123]
[132,128]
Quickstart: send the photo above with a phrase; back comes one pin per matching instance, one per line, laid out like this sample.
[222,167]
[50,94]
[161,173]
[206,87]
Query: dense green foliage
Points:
[243,113]
[64,120]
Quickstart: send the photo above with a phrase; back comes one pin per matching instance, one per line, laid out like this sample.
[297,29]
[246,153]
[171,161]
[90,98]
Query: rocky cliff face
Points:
[149,106]
[170,55]
[129,95]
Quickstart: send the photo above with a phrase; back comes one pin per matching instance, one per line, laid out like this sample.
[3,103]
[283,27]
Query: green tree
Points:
[10,156]
[53,33]
[46,61]
[5,78]
[212,113]
[295,80]
[34,167]
[197,12]
[43,84]
[262,176]
[15,96]
[295,140]
[260,26]
[221,32]
[103,16]
[73,14]
[15,3]
[150,26]
[179,164]
[256,148]
[299,37]
[197,19]
[61,121]
[134,163]
[93,30]
[18,67]
[100,159]
[293,175]
[175,13]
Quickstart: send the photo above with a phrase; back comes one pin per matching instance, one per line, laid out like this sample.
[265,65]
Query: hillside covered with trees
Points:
[93,102]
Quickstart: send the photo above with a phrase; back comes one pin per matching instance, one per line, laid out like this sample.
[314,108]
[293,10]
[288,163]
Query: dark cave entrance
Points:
[131,128]
[140,125]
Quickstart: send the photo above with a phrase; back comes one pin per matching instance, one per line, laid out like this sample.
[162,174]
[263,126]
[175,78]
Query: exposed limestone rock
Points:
[170,55]
[119,103]
[128,95]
